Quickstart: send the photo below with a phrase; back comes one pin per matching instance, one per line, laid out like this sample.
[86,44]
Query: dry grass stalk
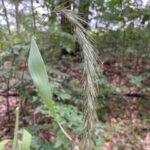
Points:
[90,76]
[90,89]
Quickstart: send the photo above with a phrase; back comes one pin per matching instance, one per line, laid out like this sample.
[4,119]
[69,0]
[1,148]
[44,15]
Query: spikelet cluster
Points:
[91,74]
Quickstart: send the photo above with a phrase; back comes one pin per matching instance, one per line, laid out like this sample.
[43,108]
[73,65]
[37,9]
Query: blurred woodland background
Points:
[120,30]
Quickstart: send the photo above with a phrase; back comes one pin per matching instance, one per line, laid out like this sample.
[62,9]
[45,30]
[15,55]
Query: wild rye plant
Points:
[39,75]
[91,73]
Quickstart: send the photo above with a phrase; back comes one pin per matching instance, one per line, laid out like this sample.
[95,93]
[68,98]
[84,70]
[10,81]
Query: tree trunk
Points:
[84,10]
[33,15]
[17,19]
[6,16]
[66,26]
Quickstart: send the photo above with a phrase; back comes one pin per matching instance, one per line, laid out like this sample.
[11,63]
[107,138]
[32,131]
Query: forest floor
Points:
[127,115]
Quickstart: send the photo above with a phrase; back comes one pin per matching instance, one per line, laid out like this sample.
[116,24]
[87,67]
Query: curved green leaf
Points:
[40,78]
[26,140]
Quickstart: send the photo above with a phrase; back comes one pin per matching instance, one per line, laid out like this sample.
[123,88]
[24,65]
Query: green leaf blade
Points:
[26,140]
[40,78]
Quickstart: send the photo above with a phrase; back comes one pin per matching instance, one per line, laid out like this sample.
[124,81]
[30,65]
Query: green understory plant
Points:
[17,144]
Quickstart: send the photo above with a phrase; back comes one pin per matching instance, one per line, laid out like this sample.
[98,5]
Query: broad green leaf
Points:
[3,144]
[40,78]
[26,140]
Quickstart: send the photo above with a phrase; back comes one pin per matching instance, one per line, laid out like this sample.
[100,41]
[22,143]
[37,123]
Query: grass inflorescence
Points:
[91,74]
